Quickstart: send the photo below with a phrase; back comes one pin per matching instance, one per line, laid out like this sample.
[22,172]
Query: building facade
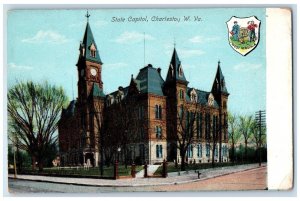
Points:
[149,120]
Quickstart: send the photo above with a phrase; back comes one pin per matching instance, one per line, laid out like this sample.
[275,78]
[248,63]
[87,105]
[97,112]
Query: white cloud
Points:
[133,37]
[46,37]
[19,67]
[202,39]
[113,66]
[246,66]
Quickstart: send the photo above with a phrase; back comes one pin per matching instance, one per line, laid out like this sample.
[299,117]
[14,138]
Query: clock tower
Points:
[90,102]
[89,66]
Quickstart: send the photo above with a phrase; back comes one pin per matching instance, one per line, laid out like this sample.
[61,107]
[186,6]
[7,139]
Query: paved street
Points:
[252,179]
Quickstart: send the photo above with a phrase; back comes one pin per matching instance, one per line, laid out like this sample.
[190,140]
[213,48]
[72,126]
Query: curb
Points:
[136,185]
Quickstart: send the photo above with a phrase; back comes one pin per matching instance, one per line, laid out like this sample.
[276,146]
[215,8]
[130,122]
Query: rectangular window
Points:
[190,151]
[142,136]
[199,150]
[158,112]
[158,131]
[207,150]
[159,151]
[216,151]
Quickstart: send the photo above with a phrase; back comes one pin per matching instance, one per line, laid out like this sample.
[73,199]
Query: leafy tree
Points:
[245,124]
[34,111]
[233,132]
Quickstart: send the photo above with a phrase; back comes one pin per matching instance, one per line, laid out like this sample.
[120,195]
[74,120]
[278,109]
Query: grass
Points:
[94,171]
[189,167]
[246,45]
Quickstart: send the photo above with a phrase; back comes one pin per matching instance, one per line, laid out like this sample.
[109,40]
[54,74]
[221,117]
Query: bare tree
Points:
[185,130]
[245,123]
[34,112]
[233,132]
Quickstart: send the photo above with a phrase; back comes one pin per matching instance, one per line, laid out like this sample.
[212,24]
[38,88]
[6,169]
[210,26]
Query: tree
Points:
[245,123]
[34,111]
[233,132]
[185,130]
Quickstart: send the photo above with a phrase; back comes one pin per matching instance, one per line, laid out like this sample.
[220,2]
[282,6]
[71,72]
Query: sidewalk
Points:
[172,178]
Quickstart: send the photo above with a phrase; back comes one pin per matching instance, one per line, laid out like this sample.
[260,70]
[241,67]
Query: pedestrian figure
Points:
[251,27]
[235,31]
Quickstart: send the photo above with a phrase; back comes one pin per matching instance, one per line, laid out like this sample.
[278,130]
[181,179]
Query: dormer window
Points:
[193,95]
[211,100]
[172,70]
[93,50]
[180,71]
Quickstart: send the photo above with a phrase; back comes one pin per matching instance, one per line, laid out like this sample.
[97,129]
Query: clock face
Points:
[93,72]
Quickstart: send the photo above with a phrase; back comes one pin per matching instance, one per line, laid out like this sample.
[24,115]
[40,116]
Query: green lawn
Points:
[246,45]
[94,171]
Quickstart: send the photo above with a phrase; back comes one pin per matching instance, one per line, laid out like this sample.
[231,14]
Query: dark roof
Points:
[173,74]
[70,110]
[149,80]
[221,79]
[88,40]
[202,97]
[96,91]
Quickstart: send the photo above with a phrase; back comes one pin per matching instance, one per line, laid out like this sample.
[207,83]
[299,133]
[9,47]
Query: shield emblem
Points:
[243,33]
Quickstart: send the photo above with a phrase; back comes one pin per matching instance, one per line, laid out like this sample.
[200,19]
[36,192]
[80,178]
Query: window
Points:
[190,151]
[181,96]
[142,136]
[159,151]
[207,126]
[141,112]
[199,150]
[158,112]
[193,95]
[181,111]
[158,132]
[93,50]
[224,150]
[207,150]
[199,125]
[216,151]
[180,71]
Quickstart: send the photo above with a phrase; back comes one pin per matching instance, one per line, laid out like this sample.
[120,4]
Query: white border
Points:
[45,4]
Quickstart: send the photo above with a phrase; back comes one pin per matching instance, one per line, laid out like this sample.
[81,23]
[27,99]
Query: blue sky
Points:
[43,45]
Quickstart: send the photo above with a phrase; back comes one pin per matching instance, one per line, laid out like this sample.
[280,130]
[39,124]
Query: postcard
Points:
[131,100]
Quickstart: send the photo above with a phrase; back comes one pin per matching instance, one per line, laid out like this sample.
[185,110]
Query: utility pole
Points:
[260,118]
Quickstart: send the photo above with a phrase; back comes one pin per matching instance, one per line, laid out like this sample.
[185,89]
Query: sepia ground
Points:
[254,179]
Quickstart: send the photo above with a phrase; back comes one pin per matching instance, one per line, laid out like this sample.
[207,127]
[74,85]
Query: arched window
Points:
[180,71]
[93,50]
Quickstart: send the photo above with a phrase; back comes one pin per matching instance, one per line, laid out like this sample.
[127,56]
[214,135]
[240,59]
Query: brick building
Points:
[141,122]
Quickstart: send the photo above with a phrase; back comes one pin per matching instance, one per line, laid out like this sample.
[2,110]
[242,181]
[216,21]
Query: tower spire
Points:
[87,15]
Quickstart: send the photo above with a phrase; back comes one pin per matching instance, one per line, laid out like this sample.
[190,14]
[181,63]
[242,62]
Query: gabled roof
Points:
[87,42]
[149,80]
[202,97]
[96,91]
[175,68]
